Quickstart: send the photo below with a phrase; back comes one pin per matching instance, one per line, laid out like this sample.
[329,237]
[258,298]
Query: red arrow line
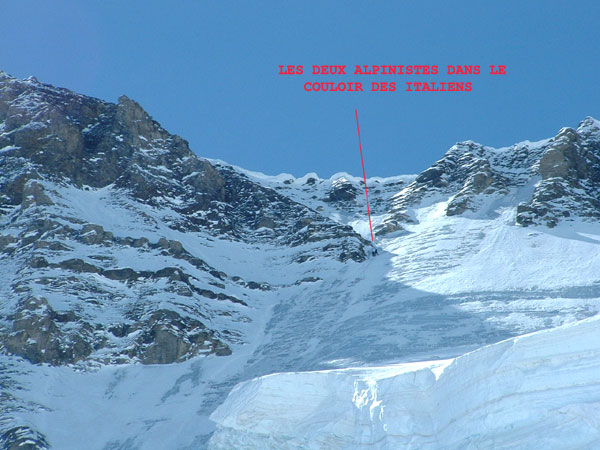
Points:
[364,176]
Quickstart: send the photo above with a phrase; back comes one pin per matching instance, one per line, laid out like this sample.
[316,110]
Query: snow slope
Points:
[540,390]
[389,309]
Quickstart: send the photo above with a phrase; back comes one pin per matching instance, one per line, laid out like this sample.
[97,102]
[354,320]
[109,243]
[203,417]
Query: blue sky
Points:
[207,70]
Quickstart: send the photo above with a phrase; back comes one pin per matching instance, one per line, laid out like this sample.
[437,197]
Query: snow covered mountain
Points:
[139,283]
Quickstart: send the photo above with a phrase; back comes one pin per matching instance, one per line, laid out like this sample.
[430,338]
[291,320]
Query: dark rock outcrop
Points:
[570,184]
[23,438]
[42,335]
[342,191]
[564,169]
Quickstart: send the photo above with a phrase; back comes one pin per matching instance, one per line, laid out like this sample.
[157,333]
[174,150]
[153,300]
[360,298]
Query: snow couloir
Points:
[540,390]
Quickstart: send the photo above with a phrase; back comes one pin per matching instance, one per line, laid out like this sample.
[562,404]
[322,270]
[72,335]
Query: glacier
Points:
[540,390]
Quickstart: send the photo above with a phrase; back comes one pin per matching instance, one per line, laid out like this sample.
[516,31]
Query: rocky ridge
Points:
[556,179]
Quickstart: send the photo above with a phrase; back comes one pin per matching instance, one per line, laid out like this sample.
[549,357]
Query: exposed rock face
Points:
[72,295]
[342,191]
[570,185]
[168,338]
[33,194]
[464,173]
[249,207]
[41,335]
[23,438]
[564,169]
[59,135]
